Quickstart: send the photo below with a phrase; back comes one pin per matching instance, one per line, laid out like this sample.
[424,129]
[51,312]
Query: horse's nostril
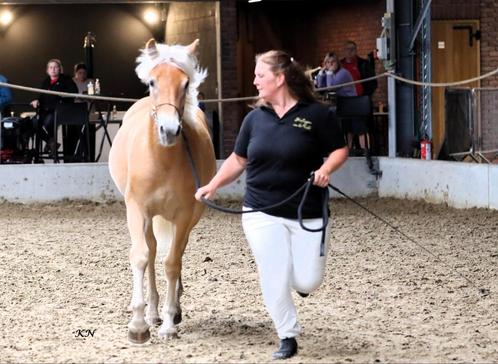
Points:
[178,131]
[161,129]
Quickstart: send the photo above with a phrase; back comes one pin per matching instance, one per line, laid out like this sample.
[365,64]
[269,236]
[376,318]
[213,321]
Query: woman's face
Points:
[334,64]
[330,64]
[266,82]
[80,75]
[53,69]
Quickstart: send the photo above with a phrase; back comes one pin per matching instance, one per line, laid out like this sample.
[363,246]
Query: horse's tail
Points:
[163,231]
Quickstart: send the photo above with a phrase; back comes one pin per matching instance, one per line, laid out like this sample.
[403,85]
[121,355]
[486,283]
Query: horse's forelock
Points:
[179,56]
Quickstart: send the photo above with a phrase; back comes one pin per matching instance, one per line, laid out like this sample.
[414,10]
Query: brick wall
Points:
[231,112]
[357,21]
[189,21]
[489,62]
[455,9]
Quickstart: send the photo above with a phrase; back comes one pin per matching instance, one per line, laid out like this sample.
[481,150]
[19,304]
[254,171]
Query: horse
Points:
[152,159]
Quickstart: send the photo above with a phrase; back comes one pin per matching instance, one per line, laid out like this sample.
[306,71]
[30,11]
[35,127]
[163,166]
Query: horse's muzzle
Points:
[168,136]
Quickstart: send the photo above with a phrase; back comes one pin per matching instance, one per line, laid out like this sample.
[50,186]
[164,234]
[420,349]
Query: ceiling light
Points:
[254,1]
[6,17]
[151,16]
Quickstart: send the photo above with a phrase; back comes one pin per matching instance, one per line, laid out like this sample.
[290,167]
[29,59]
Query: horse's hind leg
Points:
[171,312]
[138,225]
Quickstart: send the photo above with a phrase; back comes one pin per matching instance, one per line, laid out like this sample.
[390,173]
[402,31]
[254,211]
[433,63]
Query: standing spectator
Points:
[333,74]
[56,80]
[360,69]
[5,96]
[279,144]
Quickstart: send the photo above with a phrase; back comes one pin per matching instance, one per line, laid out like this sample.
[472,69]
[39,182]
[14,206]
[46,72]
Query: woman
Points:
[333,74]
[280,143]
[81,79]
[56,80]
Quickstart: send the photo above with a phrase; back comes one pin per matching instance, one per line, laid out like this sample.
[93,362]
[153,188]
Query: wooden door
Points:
[455,57]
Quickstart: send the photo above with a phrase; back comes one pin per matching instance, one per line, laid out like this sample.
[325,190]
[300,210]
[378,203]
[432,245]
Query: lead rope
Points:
[306,186]
[325,198]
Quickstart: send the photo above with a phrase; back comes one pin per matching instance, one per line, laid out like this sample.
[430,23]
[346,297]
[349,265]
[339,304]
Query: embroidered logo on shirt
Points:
[302,123]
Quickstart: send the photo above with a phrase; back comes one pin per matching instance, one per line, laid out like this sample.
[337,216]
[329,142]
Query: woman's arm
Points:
[335,160]
[232,168]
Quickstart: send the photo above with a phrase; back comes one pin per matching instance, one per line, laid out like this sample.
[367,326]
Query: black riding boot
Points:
[287,349]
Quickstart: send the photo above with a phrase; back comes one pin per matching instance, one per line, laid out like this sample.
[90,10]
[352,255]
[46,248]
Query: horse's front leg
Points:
[152,314]
[138,329]
[171,312]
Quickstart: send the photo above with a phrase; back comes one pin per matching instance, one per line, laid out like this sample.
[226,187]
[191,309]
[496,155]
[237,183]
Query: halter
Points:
[153,113]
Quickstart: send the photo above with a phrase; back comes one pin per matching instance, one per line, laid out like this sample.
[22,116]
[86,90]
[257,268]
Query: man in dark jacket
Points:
[359,68]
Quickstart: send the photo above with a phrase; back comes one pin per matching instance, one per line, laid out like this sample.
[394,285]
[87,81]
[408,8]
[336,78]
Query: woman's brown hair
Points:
[300,86]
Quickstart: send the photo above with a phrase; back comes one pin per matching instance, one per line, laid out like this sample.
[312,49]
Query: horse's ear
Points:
[192,47]
[151,48]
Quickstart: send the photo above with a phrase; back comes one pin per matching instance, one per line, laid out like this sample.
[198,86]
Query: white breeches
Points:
[288,257]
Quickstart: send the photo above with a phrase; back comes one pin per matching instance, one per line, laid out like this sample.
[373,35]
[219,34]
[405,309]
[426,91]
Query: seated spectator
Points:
[81,79]
[56,80]
[333,74]
[5,97]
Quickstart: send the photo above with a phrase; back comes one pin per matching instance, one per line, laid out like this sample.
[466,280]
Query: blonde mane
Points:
[178,56]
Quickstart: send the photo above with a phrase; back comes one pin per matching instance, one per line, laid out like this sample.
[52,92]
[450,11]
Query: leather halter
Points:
[153,113]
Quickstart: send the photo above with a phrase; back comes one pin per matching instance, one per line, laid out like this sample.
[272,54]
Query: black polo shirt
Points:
[282,152]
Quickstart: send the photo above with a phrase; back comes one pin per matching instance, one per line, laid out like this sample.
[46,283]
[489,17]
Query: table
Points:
[106,124]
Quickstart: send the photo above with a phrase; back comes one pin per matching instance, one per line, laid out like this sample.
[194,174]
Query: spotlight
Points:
[6,17]
[151,16]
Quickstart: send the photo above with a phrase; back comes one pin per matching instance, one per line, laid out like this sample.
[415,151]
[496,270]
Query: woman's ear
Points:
[280,79]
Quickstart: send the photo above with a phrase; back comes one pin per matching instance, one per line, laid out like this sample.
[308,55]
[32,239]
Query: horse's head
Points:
[173,77]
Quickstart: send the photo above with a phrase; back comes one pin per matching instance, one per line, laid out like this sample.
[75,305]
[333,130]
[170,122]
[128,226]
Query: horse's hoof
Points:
[138,337]
[178,318]
[171,333]
[155,321]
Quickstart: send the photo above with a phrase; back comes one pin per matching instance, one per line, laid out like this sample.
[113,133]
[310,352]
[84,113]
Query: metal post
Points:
[391,90]
[426,76]
[218,78]
[88,45]
[391,97]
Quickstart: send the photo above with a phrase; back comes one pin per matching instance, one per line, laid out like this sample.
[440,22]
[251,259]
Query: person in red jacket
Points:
[360,69]
[56,80]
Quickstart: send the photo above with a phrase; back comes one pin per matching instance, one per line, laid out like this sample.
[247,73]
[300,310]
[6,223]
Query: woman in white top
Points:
[81,79]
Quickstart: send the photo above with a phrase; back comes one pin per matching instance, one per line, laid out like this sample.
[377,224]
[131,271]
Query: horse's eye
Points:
[151,83]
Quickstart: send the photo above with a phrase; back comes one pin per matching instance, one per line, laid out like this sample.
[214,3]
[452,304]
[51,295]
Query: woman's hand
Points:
[321,178]
[206,191]
[331,164]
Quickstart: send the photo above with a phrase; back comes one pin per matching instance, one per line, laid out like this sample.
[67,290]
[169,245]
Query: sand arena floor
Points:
[64,268]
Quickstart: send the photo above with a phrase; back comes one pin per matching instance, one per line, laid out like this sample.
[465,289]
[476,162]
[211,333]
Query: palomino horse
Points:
[149,162]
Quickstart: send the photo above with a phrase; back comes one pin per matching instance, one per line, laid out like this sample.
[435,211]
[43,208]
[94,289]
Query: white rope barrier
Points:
[385,74]
[443,84]
[66,94]
[249,98]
